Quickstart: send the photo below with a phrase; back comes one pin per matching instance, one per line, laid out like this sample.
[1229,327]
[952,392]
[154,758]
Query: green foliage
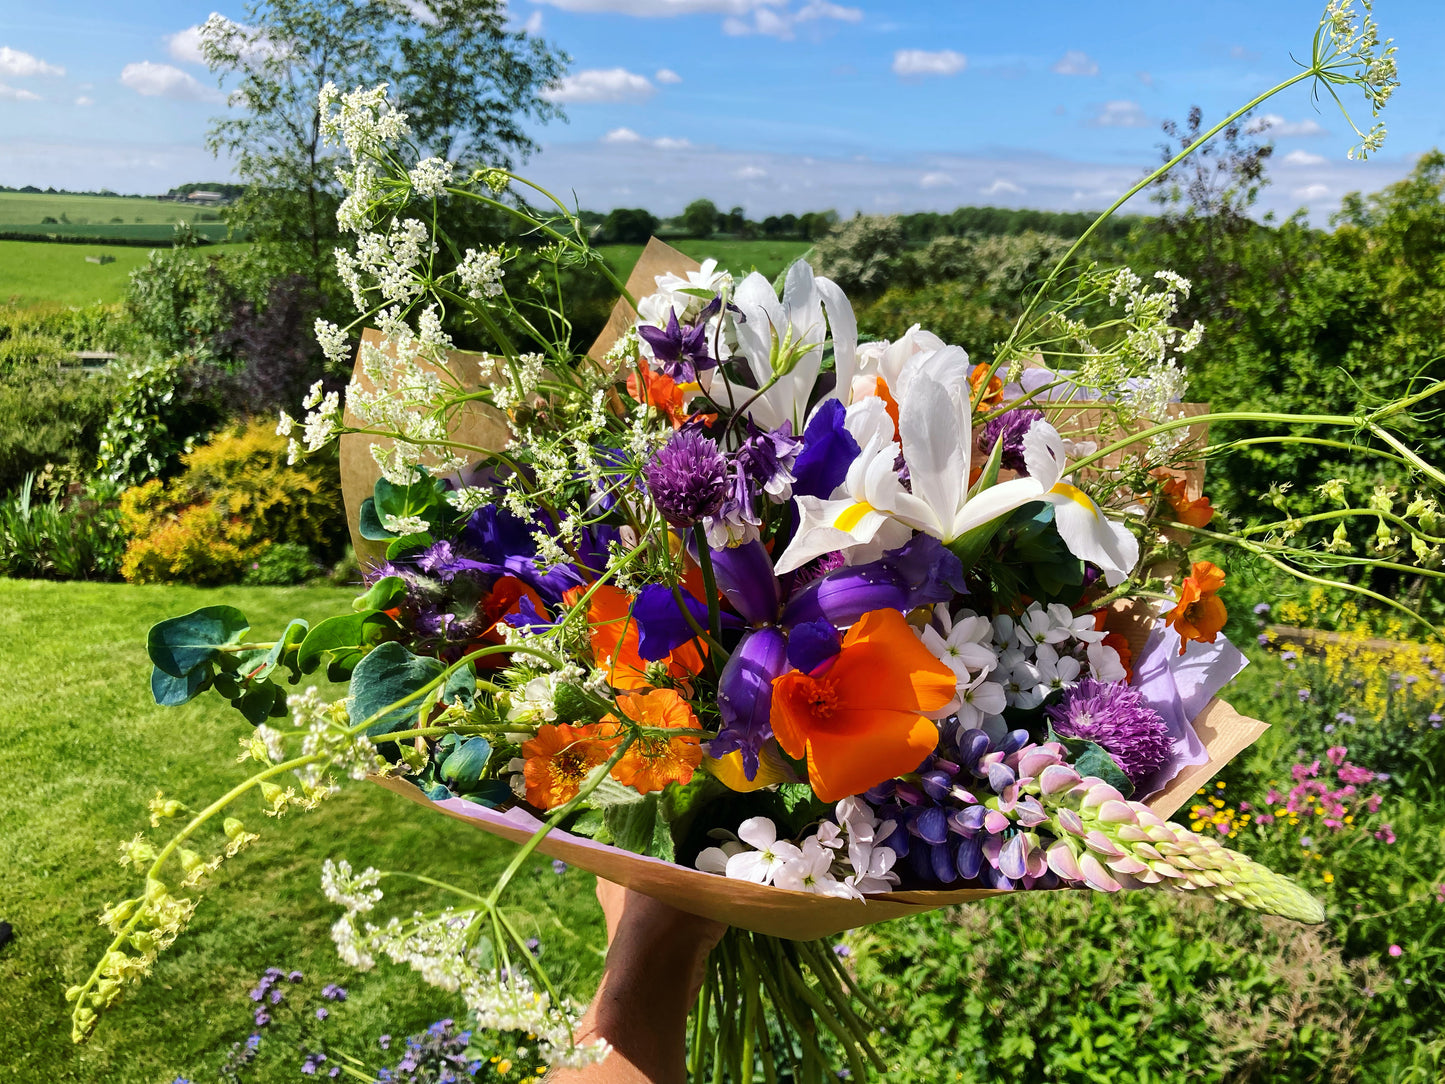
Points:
[235,497]
[390,674]
[138,440]
[281,564]
[77,537]
[1079,987]
[699,217]
[629,226]
[51,416]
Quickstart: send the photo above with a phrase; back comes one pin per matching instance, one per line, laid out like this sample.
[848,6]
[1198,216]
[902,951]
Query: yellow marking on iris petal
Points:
[1077,495]
[852,515]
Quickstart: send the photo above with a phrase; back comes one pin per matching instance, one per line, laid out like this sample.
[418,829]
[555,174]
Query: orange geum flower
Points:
[659,391]
[560,757]
[859,720]
[992,394]
[1199,615]
[1192,513]
[652,761]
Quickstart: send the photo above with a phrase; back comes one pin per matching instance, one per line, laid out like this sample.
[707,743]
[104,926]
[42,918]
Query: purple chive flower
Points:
[559,867]
[534,946]
[1303,694]
[687,478]
[322,1013]
[1115,716]
[262,1018]
[1011,427]
[842,951]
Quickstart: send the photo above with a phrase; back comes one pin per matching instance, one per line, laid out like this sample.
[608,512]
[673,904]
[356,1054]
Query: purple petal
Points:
[828,452]
[745,578]
[1013,859]
[745,695]
[661,623]
[969,857]
[812,645]
[931,825]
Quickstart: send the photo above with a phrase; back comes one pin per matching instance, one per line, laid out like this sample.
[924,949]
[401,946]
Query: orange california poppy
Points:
[615,637]
[860,722]
[657,390]
[559,758]
[993,396]
[651,763]
[1192,513]
[1199,614]
[505,598]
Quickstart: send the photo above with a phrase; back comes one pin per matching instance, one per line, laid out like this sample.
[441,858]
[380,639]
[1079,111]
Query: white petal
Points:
[1090,535]
[758,832]
[935,440]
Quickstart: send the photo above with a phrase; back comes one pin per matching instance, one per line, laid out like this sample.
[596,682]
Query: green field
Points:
[88,748]
[36,272]
[120,217]
[739,257]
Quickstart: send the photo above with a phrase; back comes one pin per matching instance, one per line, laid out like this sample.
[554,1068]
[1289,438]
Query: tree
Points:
[699,218]
[629,225]
[462,78]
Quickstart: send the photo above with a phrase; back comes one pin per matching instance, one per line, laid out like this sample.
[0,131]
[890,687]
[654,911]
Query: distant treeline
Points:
[633,225]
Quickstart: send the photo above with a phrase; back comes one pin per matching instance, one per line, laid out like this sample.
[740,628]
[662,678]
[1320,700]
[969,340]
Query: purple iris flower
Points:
[745,695]
[828,451]
[681,350]
[915,574]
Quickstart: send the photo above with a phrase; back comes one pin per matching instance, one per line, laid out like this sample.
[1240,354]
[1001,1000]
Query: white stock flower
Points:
[761,864]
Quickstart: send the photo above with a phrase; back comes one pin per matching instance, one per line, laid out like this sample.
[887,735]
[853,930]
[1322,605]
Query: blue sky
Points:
[777,104]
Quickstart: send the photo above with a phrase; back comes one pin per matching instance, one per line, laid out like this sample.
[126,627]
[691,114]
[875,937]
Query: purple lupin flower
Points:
[1115,716]
[687,478]
[1012,426]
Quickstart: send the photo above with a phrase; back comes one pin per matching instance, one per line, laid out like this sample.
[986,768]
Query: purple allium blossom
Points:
[1115,716]
[559,867]
[322,1013]
[687,478]
[1011,426]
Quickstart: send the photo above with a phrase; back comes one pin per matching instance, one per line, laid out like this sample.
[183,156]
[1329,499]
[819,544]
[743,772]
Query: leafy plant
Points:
[281,565]
[77,538]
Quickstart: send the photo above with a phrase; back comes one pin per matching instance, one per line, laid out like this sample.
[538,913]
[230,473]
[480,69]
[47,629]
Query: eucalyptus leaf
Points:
[1091,758]
[407,543]
[368,523]
[466,761]
[342,641]
[181,644]
[388,674]
[171,691]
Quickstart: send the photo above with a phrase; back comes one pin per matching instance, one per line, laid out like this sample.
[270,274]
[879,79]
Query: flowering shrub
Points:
[236,498]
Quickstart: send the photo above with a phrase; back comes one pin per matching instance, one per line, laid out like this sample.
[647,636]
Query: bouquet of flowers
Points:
[790,630]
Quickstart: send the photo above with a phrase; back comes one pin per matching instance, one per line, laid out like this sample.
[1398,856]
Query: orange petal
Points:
[896,742]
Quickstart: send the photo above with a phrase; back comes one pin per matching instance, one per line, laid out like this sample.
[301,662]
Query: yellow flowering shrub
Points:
[235,498]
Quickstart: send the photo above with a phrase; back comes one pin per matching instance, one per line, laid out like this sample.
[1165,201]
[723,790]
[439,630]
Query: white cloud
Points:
[1275,125]
[628,136]
[750,173]
[18,94]
[668,143]
[909,62]
[84,100]
[185,45]
[1303,158]
[533,25]
[1311,192]
[1001,187]
[935,180]
[667,76]
[164,81]
[600,85]
[1120,114]
[22,65]
[780,21]
[1075,62]
[622,135]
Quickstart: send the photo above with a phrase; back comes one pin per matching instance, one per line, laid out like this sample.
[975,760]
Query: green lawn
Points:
[88,748]
[33,272]
[739,257]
